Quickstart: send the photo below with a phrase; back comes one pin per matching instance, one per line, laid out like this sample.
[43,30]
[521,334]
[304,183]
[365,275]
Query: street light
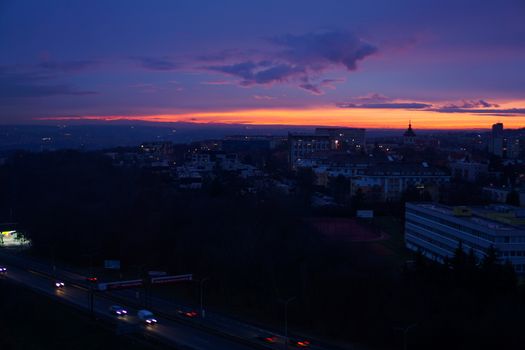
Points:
[286,302]
[405,331]
[202,295]
[91,286]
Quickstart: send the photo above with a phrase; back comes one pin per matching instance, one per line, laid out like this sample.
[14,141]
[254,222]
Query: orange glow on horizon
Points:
[329,116]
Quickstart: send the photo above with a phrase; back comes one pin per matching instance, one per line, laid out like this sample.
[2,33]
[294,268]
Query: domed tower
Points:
[409,137]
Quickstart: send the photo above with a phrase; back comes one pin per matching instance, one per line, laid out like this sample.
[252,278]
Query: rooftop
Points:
[495,216]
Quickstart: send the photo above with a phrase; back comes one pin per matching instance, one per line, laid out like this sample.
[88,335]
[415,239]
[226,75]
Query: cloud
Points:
[264,97]
[317,89]
[373,98]
[163,63]
[314,89]
[217,82]
[319,49]
[67,66]
[392,105]
[23,84]
[500,112]
[298,59]
[479,107]
[471,104]
[261,72]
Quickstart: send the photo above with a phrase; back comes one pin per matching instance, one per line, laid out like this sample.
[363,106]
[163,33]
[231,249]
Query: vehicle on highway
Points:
[3,269]
[92,279]
[59,284]
[299,343]
[147,316]
[118,310]
[188,313]
[268,338]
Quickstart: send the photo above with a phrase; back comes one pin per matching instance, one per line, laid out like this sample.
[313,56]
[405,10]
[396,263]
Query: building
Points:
[323,140]
[302,145]
[250,143]
[409,136]
[469,171]
[506,143]
[437,231]
[344,139]
[389,181]
[500,194]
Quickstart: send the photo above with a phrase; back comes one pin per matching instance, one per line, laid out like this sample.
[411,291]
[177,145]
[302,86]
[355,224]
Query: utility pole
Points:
[286,302]
[405,331]
[203,312]
[91,302]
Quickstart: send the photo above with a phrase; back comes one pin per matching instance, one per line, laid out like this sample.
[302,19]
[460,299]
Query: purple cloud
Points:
[393,105]
[320,49]
[24,84]
[479,107]
[300,59]
[509,112]
[472,104]
[262,72]
[317,89]
[373,98]
[67,66]
[164,63]
[264,97]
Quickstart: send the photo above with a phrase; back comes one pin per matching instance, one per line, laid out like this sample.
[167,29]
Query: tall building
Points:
[497,142]
[344,139]
[437,231]
[325,139]
[302,145]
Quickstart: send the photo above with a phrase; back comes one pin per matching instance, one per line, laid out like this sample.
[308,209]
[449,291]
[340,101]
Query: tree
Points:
[513,198]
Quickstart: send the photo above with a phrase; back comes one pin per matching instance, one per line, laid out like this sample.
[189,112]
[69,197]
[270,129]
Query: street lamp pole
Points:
[203,313]
[286,302]
[405,331]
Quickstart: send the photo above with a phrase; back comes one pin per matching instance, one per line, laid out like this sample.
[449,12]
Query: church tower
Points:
[409,137]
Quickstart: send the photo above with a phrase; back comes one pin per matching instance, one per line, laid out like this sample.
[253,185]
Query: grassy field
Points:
[31,321]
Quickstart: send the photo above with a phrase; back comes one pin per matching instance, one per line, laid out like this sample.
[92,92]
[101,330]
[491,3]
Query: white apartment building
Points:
[436,231]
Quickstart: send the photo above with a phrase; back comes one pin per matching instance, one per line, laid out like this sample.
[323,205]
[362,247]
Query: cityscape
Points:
[265,175]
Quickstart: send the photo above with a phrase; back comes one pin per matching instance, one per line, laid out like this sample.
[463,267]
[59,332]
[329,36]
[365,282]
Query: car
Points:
[92,279]
[299,343]
[59,284]
[268,338]
[3,269]
[147,317]
[118,310]
[188,314]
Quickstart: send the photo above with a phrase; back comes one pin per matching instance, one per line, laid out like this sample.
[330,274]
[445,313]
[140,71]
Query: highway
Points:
[213,332]
[167,330]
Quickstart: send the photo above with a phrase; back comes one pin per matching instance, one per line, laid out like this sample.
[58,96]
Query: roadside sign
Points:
[365,214]
[112,264]
[157,273]
[119,285]
[171,279]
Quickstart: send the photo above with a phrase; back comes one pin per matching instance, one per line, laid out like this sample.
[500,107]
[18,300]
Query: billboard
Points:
[171,279]
[112,264]
[119,285]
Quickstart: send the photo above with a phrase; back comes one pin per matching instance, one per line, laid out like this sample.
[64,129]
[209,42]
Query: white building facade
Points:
[437,231]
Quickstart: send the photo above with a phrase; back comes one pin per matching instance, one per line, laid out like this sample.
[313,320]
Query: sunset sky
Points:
[375,63]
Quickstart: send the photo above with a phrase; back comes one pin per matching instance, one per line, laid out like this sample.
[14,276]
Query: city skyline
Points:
[446,65]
